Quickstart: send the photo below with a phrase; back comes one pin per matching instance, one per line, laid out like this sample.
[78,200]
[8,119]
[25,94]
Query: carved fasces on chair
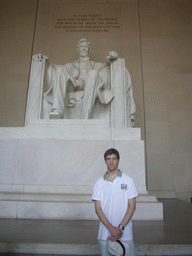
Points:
[35,92]
[122,106]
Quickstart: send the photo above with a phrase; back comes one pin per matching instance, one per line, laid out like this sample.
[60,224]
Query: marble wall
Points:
[166,33]
[157,48]
[17,30]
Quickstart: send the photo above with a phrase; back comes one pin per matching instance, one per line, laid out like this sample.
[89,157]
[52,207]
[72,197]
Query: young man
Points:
[114,195]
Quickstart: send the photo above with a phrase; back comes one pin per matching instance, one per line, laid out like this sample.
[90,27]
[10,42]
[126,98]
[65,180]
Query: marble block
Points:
[67,206]
[77,164]
[65,129]
[52,177]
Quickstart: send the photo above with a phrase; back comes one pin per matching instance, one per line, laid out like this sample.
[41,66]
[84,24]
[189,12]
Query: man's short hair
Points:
[110,152]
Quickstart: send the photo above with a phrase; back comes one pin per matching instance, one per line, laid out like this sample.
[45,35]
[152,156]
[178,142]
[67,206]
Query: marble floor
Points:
[175,229]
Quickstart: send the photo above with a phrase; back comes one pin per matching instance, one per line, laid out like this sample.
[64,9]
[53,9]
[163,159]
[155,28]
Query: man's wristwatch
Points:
[121,226]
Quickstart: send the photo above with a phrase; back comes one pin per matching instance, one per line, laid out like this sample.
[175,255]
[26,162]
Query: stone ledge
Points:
[91,249]
[68,207]
[86,130]
[72,198]
[27,197]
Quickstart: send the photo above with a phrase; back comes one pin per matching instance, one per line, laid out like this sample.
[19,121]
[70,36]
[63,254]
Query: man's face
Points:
[112,162]
[83,49]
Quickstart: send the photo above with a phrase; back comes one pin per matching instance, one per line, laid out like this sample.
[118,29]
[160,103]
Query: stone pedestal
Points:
[48,168]
[45,174]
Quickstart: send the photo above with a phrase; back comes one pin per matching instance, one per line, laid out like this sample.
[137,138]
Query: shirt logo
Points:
[124,186]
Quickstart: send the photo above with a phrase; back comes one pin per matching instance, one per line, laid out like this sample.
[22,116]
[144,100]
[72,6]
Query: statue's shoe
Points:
[54,115]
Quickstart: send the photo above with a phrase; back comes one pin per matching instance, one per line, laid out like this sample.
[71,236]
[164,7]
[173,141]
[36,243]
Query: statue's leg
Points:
[90,94]
[59,94]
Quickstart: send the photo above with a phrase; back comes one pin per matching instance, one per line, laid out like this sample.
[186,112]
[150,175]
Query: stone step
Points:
[68,206]
[91,249]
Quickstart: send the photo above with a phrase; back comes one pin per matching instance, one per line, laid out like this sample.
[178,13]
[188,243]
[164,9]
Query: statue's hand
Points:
[79,84]
[112,56]
[39,57]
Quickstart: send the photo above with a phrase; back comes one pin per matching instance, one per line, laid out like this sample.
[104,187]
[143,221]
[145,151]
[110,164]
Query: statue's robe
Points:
[61,92]
[64,92]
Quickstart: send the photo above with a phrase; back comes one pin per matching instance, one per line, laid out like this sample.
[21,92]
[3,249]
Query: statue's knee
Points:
[94,72]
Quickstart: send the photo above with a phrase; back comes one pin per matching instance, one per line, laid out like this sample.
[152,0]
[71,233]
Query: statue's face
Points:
[83,49]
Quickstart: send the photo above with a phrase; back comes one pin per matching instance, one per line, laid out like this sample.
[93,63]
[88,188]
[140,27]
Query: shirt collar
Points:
[118,175]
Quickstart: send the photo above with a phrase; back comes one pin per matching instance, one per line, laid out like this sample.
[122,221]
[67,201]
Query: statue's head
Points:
[83,47]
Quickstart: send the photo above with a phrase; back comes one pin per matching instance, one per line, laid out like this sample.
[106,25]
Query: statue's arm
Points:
[111,57]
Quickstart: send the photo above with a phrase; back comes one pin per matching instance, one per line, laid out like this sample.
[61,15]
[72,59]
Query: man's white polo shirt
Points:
[114,198]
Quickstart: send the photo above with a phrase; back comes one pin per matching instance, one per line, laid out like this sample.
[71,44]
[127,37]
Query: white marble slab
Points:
[8,209]
[42,176]
[91,129]
[132,161]
[64,165]
[67,206]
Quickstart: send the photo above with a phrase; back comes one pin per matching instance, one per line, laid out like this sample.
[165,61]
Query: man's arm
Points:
[130,212]
[116,232]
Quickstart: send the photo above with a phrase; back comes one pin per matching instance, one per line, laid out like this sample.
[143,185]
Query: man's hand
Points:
[112,56]
[116,233]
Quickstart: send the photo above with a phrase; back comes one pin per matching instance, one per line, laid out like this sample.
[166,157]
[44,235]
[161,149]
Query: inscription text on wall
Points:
[87,23]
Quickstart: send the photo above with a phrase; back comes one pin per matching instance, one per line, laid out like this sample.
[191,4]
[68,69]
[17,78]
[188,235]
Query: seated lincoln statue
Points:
[82,89]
